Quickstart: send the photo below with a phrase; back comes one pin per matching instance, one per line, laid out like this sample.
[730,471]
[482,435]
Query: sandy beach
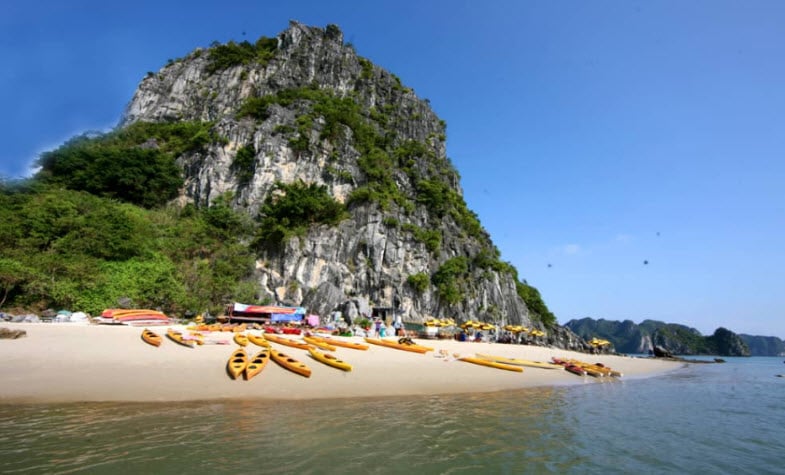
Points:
[72,363]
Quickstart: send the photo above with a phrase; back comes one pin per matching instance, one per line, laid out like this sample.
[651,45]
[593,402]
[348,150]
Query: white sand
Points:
[71,362]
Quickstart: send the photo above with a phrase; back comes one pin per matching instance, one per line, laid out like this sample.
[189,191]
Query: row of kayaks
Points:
[240,364]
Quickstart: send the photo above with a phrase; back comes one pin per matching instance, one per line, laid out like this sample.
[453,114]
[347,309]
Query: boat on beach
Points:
[257,364]
[290,363]
[286,341]
[241,339]
[319,343]
[258,340]
[342,343]
[405,344]
[491,364]
[178,337]
[572,368]
[520,362]
[330,360]
[237,363]
[151,337]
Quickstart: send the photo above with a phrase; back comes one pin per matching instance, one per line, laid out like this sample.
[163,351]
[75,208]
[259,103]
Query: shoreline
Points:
[66,362]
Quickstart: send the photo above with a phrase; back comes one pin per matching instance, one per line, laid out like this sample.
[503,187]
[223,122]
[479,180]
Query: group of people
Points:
[378,329]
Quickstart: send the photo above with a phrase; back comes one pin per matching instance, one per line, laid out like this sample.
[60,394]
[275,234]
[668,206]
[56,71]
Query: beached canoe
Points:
[491,364]
[319,343]
[257,364]
[237,363]
[286,341]
[342,343]
[241,339]
[258,340]
[177,337]
[151,337]
[329,359]
[520,362]
[413,347]
[290,363]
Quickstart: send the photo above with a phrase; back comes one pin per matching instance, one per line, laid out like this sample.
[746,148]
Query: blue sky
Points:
[591,136]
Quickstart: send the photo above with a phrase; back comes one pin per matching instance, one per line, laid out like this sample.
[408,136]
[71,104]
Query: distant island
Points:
[629,337]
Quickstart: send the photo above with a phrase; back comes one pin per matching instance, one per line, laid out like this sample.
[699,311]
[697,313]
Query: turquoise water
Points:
[715,418]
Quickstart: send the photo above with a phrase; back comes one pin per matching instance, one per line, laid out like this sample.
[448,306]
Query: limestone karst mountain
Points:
[304,112]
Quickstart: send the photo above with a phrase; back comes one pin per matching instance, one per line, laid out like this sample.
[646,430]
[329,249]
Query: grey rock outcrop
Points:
[366,260]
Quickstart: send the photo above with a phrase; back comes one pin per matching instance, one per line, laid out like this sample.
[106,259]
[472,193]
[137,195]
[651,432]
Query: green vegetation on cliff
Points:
[69,249]
[135,164]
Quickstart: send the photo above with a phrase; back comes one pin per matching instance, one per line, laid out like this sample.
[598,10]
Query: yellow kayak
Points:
[151,337]
[177,337]
[329,359]
[402,344]
[492,364]
[286,341]
[237,363]
[519,362]
[241,339]
[290,363]
[342,343]
[257,364]
[258,340]
[319,343]
[595,368]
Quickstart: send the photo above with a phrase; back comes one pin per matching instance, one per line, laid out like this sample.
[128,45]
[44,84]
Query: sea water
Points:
[703,418]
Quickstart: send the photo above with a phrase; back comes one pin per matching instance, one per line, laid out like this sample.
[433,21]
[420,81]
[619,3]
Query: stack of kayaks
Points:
[237,363]
[490,363]
[151,337]
[286,341]
[132,316]
[329,359]
[572,368]
[403,344]
[520,362]
[290,363]
[595,369]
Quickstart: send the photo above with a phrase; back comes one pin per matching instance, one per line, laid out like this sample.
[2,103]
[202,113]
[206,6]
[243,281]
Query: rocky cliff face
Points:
[382,154]
[764,345]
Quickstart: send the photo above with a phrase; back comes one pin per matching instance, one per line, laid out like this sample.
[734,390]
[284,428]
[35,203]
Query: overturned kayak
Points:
[257,364]
[151,337]
[329,359]
[237,363]
[290,363]
[520,362]
[491,364]
[402,344]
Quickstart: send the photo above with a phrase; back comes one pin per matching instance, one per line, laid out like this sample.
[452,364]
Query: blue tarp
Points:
[286,317]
